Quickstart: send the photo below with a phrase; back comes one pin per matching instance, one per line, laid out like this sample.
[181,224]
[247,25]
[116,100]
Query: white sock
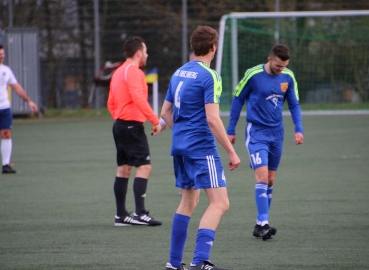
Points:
[6,150]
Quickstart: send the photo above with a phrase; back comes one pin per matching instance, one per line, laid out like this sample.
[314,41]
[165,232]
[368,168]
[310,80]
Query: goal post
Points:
[329,51]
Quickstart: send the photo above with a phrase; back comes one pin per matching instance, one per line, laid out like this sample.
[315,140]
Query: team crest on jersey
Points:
[284,86]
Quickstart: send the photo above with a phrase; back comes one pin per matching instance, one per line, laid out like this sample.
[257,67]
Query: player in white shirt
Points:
[7,78]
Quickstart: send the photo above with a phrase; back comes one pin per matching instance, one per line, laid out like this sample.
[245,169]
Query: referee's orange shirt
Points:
[128,95]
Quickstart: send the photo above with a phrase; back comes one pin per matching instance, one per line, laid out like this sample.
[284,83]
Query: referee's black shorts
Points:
[131,143]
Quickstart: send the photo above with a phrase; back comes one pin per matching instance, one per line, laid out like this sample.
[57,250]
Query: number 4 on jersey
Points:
[177,100]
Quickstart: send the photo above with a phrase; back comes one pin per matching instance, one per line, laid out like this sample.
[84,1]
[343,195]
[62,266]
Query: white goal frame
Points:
[242,15]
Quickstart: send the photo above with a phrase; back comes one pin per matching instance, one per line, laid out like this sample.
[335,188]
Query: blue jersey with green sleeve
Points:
[191,87]
[265,95]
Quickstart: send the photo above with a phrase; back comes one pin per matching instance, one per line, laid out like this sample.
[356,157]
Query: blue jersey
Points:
[191,87]
[265,95]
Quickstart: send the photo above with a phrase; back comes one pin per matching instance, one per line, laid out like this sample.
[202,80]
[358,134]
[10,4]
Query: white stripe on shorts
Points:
[249,125]
[212,171]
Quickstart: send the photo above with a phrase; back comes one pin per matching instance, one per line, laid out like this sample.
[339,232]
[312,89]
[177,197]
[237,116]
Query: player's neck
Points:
[203,59]
[267,68]
[134,60]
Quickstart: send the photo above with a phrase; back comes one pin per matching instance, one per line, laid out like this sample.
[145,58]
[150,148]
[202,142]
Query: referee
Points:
[129,106]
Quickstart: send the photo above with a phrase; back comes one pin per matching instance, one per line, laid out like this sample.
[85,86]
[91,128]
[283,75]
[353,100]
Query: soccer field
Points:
[57,212]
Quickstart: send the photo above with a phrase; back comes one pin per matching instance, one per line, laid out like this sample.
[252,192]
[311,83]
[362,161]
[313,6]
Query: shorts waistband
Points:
[258,126]
[130,123]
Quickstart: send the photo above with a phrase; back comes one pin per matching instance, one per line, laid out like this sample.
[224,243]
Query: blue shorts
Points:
[199,172]
[265,146]
[6,119]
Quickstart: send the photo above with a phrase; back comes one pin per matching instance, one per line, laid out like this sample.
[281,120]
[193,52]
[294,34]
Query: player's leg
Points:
[122,217]
[180,223]
[6,146]
[181,218]
[258,149]
[140,182]
[271,177]
[136,151]
[262,228]
[6,140]
[275,155]
[209,176]
[261,199]
[276,137]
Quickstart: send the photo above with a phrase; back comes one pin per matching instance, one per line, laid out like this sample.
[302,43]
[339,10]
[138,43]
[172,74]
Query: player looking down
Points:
[264,88]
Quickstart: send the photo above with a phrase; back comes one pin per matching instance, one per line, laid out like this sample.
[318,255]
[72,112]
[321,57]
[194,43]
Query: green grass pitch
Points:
[57,212]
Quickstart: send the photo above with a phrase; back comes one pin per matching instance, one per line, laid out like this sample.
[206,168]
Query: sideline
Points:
[317,113]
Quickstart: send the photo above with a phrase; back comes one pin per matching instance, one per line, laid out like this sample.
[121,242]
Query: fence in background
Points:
[21,49]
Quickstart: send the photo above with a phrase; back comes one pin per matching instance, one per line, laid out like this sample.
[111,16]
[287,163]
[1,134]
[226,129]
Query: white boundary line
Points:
[317,113]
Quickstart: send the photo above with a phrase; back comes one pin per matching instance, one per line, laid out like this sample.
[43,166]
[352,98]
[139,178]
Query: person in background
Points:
[7,78]
[191,110]
[128,104]
[265,88]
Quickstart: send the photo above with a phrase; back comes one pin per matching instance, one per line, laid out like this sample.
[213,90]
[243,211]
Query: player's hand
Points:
[163,126]
[232,139]
[155,130]
[234,161]
[33,106]
[299,138]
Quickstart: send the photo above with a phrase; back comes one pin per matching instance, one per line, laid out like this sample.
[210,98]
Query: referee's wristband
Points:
[161,121]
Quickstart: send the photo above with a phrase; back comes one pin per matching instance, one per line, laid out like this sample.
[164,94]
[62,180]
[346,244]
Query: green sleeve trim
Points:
[289,72]
[248,74]
[217,82]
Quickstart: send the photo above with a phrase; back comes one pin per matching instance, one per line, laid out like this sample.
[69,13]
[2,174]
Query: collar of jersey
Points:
[201,62]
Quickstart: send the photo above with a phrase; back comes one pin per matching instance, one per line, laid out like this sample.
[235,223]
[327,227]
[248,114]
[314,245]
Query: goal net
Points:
[329,51]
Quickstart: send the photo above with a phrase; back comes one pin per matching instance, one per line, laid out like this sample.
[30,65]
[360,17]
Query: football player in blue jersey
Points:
[265,88]
[191,110]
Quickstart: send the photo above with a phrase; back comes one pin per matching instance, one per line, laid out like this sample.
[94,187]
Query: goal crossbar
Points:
[242,15]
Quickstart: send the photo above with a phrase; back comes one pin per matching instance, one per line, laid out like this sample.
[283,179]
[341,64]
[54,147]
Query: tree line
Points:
[66,32]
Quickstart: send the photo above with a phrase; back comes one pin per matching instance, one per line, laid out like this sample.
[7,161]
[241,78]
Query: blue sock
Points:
[178,239]
[204,242]
[270,196]
[261,200]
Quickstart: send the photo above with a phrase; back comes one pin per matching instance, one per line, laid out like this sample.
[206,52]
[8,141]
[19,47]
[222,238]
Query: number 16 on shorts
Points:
[256,159]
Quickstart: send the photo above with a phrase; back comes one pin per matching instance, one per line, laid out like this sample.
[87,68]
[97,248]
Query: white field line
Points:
[317,113]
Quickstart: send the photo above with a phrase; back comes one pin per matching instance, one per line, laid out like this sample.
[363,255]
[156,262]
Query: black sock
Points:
[120,191]
[139,189]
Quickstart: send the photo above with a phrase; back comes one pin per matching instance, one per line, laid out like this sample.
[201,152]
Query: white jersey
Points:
[6,77]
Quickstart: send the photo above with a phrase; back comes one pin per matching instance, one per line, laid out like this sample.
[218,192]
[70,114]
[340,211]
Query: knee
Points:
[193,203]
[270,181]
[143,171]
[226,206]
[187,206]
[5,134]
[223,205]
[124,171]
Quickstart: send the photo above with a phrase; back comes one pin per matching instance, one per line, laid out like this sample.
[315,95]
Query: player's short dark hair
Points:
[132,45]
[281,51]
[202,39]
[1,46]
